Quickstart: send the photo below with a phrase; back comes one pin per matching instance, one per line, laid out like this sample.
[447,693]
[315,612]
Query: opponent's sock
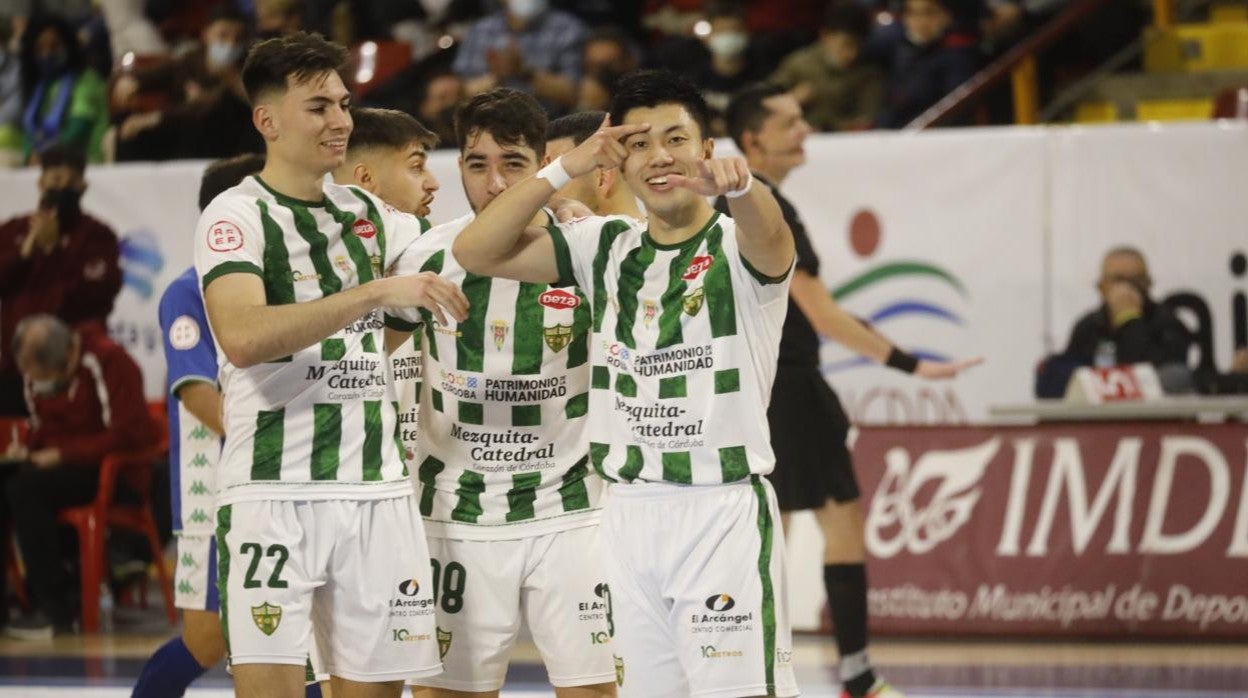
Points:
[313,690]
[847,600]
[168,673]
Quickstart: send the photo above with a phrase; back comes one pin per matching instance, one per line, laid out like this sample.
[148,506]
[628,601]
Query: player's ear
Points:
[708,148]
[606,181]
[362,176]
[264,119]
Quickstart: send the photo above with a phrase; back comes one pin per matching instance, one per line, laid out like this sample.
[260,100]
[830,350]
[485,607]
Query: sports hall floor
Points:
[105,667]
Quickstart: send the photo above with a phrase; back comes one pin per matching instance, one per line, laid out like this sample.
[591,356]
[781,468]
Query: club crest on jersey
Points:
[344,265]
[693,301]
[559,299]
[267,617]
[697,267]
[363,228]
[649,310]
[499,328]
[557,337]
[619,671]
[444,643]
[374,262]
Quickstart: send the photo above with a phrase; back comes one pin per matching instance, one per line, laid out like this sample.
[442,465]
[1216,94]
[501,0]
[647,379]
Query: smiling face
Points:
[673,145]
[488,167]
[307,124]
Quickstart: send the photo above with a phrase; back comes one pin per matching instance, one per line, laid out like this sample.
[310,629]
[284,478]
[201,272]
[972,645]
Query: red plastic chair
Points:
[1231,103]
[91,520]
[374,62]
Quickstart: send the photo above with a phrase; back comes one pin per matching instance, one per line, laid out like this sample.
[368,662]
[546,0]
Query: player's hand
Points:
[45,229]
[715,176]
[426,290]
[569,209]
[1123,297]
[604,149]
[943,370]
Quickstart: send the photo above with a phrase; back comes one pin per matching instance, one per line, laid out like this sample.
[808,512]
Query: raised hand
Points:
[715,176]
[601,150]
[942,370]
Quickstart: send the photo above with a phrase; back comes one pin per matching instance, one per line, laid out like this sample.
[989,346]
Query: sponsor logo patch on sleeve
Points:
[224,236]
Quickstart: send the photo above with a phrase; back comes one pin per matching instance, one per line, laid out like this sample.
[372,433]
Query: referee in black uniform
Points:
[808,426]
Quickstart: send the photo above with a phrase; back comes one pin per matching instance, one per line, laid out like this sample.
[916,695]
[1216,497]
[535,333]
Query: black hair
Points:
[387,128]
[578,126]
[225,174]
[301,55]
[651,88]
[746,111]
[63,155]
[75,58]
[510,116]
[849,18]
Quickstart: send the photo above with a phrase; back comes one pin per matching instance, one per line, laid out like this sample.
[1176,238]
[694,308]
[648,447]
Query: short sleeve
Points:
[228,240]
[189,353]
[576,244]
[429,252]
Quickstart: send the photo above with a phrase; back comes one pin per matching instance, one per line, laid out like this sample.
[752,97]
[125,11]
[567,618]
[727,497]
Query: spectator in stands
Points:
[10,98]
[933,56]
[608,55]
[129,30]
[1128,327]
[85,395]
[728,62]
[439,95]
[63,100]
[526,46]
[836,89]
[278,17]
[56,260]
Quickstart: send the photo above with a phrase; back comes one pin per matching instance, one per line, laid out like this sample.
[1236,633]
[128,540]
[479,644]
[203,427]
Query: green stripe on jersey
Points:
[673,386]
[470,347]
[225,516]
[670,331]
[522,495]
[727,381]
[468,508]
[606,238]
[279,280]
[600,378]
[526,336]
[677,467]
[625,385]
[526,415]
[633,463]
[632,277]
[318,249]
[373,440]
[721,306]
[355,248]
[578,349]
[573,493]
[471,412]
[333,349]
[266,452]
[768,614]
[597,454]
[369,344]
[733,463]
[433,264]
[427,473]
[375,218]
[326,438]
[577,406]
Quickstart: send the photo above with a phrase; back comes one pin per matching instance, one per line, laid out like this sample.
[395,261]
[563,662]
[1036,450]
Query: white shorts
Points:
[195,578]
[555,582]
[698,580]
[355,571]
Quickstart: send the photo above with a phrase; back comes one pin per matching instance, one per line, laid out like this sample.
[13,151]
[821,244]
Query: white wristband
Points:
[738,193]
[555,174]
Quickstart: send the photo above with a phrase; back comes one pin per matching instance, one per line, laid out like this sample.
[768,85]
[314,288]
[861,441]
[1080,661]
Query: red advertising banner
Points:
[1060,530]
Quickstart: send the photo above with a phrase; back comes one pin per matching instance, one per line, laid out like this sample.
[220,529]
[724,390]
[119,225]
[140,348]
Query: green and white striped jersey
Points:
[684,350]
[321,423]
[502,452]
[405,361]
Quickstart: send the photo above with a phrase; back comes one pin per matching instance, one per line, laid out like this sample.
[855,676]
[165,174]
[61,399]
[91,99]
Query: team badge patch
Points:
[693,301]
[224,236]
[557,337]
[499,328]
[267,617]
[184,333]
[619,671]
[374,262]
[650,309]
[444,643]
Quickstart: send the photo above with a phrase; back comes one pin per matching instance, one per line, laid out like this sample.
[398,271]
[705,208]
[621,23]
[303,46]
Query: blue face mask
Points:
[52,65]
[221,55]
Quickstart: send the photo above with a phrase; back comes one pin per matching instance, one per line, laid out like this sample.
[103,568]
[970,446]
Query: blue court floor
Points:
[105,666]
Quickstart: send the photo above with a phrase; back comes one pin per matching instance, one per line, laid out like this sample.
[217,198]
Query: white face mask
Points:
[45,388]
[728,44]
[525,10]
[222,54]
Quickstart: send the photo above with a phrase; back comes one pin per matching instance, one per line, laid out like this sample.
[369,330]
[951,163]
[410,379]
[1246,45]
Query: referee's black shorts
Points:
[808,433]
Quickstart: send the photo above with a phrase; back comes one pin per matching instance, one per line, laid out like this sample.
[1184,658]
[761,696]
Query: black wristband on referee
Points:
[902,361]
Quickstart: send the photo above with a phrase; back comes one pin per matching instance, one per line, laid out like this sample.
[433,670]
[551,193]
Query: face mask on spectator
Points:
[52,65]
[525,10]
[48,387]
[728,44]
[222,54]
[67,203]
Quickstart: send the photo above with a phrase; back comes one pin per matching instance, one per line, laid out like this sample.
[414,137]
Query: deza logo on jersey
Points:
[697,267]
[559,299]
[364,228]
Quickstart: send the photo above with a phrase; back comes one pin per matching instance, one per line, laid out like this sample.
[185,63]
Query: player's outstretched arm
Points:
[251,332]
[832,322]
[764,237]
[499,241]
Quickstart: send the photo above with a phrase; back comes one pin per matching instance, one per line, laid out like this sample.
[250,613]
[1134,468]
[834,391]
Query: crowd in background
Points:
[159,79]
